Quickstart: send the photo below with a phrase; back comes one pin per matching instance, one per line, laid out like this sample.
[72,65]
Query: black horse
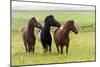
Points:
[45,35]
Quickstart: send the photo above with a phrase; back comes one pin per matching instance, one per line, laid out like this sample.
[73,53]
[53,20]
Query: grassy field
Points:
[82,46]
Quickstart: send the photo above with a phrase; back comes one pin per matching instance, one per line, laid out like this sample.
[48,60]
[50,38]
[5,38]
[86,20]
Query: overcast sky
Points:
[16,5]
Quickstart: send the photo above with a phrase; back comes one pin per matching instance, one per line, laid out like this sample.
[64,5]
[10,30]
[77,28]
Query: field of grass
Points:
[82,46]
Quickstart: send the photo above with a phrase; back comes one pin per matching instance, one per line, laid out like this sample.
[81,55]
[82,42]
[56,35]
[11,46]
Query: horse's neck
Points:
[31,31]
[65,32]
[47,28]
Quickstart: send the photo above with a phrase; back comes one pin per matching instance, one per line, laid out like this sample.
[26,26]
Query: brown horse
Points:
[28,34]
[61,35]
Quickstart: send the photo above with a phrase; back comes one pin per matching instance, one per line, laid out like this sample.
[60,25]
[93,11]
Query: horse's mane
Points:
[69,23]
[47,17]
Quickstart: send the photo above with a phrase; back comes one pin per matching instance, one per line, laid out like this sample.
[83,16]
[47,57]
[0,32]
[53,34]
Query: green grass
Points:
[82,46]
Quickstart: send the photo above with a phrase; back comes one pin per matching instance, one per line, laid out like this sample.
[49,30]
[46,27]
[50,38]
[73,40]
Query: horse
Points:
[61,35]
[45,35]
[28,36]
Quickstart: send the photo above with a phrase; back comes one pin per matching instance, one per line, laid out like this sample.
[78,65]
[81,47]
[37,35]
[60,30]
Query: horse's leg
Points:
[44,47]
[29,47]
[57,46]
[67,49]
[25,46]
[33,47]
[49,46]
[61,47]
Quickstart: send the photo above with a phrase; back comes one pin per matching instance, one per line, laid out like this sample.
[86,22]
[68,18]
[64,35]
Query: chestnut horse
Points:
[61,35]
[45,35]
[29,38]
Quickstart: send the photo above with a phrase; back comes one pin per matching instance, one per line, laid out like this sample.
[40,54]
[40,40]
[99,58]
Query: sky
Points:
[89,2]
[17,5]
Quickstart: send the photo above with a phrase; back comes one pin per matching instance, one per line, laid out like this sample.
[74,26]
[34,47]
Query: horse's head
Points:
[50,20]
[34,22]
[71,26]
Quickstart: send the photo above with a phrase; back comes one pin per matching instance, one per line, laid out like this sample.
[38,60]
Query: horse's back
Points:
[58,31]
